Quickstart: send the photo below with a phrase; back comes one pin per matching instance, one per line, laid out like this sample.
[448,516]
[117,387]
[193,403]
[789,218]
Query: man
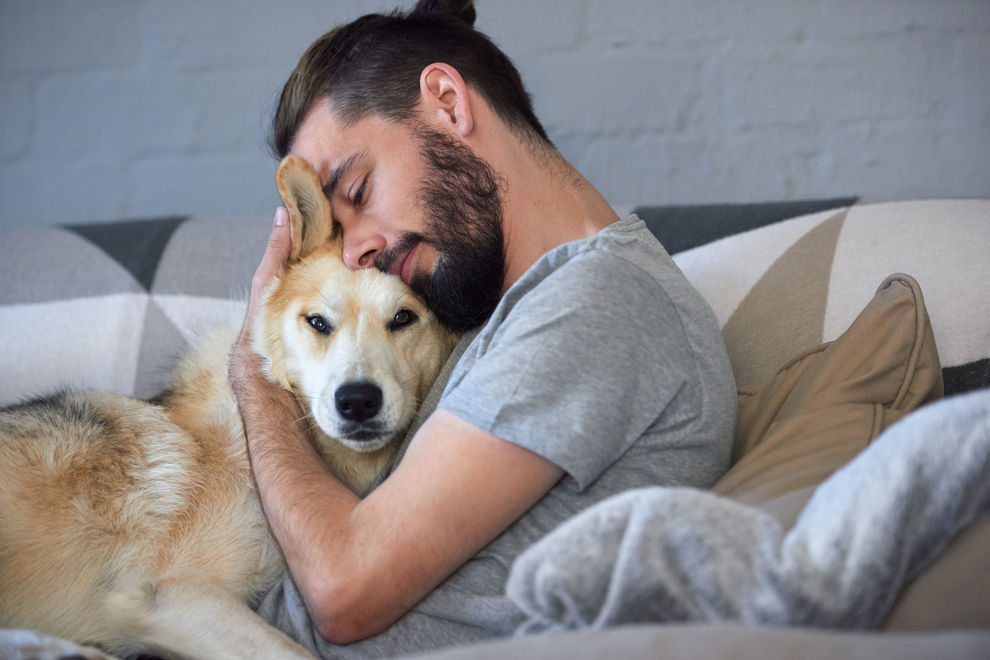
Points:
[591,365]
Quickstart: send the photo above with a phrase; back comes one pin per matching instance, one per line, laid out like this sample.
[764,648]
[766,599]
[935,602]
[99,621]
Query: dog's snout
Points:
[358,402]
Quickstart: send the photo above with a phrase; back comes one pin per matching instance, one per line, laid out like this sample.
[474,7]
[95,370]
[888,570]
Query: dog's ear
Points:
[309,210]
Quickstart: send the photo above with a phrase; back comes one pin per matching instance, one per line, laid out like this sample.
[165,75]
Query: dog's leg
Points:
[186,621]
[32,645]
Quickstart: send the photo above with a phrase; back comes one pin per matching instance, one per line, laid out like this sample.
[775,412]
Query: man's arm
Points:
[361,564]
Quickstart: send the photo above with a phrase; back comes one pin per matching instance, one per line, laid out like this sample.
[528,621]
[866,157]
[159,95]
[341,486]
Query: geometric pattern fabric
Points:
[797,283]
[110,306]
[136,246]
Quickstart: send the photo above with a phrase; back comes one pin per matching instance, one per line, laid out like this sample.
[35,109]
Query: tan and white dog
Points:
[135,526]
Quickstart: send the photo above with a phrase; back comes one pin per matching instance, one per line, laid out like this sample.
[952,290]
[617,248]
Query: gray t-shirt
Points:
[603,359]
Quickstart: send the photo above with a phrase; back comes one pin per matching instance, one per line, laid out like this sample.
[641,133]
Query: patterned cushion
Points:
[110,305]
[781,289]
[827,405]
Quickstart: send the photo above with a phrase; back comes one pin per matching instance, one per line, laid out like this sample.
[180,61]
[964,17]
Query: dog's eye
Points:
[320,324]
[402,318]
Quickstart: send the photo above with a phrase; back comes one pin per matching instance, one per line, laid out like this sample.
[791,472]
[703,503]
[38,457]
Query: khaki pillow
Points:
[825,406]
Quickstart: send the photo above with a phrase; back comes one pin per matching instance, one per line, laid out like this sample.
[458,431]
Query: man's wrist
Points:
[245,366]
[257,397]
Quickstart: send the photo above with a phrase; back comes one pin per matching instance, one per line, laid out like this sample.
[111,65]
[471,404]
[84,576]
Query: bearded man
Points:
[589,365]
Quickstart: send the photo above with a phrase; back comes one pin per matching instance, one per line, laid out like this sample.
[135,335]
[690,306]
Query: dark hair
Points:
[372,66]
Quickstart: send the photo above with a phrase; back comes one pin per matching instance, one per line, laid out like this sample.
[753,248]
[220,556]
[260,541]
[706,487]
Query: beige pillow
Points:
[826,405]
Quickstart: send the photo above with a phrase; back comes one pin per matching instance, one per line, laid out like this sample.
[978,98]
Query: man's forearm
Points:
[307,508]
[310,512]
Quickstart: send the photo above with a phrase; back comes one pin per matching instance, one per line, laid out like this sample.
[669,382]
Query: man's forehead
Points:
[319,136]
[331,145]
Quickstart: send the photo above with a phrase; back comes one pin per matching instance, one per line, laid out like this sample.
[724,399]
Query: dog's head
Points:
[358,348]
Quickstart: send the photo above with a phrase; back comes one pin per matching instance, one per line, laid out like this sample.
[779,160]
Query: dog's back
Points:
[108,505]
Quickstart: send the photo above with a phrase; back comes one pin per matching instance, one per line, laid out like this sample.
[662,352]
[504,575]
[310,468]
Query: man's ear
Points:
[309,210]
[444,95]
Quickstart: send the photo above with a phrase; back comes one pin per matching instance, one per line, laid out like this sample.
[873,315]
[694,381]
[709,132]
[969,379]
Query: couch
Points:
[826,350]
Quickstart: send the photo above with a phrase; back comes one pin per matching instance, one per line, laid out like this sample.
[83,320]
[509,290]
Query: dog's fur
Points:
[135,526]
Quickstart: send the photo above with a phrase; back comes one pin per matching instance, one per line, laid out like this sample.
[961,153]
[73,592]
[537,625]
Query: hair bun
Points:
[460,9]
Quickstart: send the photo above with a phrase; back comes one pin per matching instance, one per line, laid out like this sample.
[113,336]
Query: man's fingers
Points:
[276,253]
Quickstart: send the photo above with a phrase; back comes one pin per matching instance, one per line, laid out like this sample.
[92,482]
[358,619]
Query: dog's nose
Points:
[358,402]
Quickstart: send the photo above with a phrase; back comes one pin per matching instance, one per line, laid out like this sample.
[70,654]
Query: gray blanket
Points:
[676,554]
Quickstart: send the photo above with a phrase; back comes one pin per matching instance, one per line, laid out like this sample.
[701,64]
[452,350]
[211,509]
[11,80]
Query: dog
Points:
[135,526]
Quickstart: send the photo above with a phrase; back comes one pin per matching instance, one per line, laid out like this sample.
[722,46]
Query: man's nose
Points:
[359,252]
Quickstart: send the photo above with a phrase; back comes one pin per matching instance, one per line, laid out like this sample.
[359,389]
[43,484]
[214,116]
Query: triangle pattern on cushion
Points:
[161,345]
[212,257]
[193,315]
[681,228]
[827,404]
[944,244]
[725,271]
[787,303]
[137,245]
[97,348]
[44,264]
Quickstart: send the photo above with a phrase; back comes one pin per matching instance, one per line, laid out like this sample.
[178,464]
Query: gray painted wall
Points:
[136,108]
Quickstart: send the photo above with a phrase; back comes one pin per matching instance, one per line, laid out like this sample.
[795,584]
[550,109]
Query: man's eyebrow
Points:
[338,173]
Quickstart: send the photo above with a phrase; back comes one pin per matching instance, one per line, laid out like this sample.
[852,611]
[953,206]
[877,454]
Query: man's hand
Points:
[269,412]
[244,363]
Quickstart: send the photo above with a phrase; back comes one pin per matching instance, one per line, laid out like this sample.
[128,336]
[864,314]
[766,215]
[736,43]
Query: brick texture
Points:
[140,108]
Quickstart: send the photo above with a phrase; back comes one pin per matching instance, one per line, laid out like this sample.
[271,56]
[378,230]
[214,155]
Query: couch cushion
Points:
[740,642]
[827,404]
[110,306]
[952,592]
[784,288]
[683,227]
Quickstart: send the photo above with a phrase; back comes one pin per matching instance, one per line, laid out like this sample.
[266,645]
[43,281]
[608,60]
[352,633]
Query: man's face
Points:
[416,203]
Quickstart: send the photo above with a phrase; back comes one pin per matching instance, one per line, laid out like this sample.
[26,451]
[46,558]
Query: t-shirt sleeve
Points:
[580,367]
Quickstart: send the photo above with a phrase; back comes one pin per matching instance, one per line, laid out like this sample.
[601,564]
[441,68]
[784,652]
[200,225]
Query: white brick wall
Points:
[137,108]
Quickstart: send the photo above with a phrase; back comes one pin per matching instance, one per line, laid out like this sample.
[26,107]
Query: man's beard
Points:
[463,204]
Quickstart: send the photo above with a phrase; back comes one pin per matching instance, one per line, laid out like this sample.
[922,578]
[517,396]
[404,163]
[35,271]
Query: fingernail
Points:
[281,216]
